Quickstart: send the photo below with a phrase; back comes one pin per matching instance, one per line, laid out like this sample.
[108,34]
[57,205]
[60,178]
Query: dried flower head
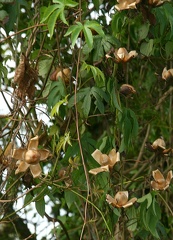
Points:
[64,74]
[120,200]
[25,78]
[156,3]
[121,55]
[167,74]
[127,89]
[126,4]
[30,158]
[160,183]
[159,147]
[106,161]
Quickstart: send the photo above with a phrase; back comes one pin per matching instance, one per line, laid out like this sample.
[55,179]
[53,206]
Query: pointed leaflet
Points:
[95,26]
[40,206]
[68,3]
[88,36]
[79,96]
[75,32]
[86,104]
[49,11]
[55,109]
[147,197]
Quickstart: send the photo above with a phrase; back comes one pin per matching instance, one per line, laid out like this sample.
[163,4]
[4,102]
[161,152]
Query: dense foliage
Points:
[86,75]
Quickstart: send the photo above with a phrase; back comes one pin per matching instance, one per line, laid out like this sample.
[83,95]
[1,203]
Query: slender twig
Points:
[51,219]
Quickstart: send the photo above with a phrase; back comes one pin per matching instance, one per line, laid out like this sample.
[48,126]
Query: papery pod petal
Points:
[44,154]
[111,200]
[95,171]
[158,176]
[169,177]
[132,54]
[22,167]
[33,143]
[35,170]
[19,153]
[130,202]
[8,149]
[97,155]
[104,160]
[114,157]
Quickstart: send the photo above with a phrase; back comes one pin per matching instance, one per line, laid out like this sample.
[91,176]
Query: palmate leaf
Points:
[63,141]
[56,11]
[55,109]
[96,72]
[86,29]
[74,30]
[49,11]
[95,26]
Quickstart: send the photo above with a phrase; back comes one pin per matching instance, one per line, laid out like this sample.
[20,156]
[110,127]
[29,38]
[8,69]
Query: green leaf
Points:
[40,207]
[74,30]
[88,36]
[68,3]
[146,48]
[44,66]
[143,208]
[28,199]
[52,21]
[62,17]
[169,49]
[95,26]
[75,34]
[147,197]
[3,15]
[79,96]
[63,141]
[143,31]
[134,121]
[152,221]
[55,109]
[96,72]
[70,198]
[49,11]
[132,219]
[86,104]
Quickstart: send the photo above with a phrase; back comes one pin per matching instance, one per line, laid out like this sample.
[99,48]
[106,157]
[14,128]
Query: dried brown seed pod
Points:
[64,74]
[127,89]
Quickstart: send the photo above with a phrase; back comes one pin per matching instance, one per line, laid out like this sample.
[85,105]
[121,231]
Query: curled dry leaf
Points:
[127,89]
[121,55]
[160,183]
[25,78]
[65,74]
[120,200]
[167,74]
[126,4]
[106,161]
[30,158]
[156,3]
[5,158]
